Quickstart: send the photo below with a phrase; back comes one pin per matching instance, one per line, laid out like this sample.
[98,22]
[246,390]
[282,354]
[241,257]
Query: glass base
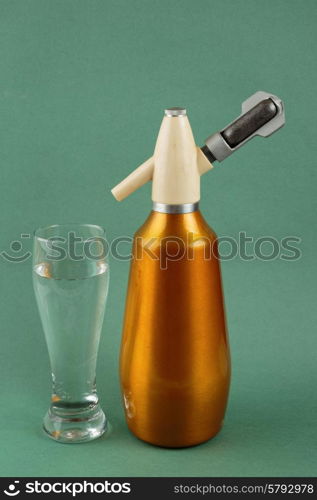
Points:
[73,425]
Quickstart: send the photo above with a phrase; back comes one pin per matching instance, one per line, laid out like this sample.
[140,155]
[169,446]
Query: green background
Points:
[82,90]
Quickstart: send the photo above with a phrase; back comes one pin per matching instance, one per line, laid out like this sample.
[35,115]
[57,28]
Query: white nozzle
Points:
[136,179]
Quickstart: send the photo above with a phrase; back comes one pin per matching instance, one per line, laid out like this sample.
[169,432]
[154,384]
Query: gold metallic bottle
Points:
[174,361]
[175,365]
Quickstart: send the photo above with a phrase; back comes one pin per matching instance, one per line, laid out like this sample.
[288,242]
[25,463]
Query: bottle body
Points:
[175,361]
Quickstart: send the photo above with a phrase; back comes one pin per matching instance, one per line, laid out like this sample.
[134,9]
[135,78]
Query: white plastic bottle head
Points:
[175,168]
[176,179]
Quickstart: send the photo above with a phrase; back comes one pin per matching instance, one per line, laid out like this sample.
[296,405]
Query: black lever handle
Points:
[263,114]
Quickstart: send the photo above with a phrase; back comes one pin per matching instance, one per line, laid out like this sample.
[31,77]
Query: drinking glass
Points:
[70,278]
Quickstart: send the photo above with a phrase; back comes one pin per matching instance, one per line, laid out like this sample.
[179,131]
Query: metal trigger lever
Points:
[262,114]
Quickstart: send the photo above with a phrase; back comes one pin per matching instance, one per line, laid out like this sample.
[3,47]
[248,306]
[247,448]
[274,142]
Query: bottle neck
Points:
[183,208]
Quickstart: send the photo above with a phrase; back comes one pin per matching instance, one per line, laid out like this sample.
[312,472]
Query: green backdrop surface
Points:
[82,91]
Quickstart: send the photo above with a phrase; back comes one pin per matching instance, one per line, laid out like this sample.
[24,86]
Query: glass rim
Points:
[37,231]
